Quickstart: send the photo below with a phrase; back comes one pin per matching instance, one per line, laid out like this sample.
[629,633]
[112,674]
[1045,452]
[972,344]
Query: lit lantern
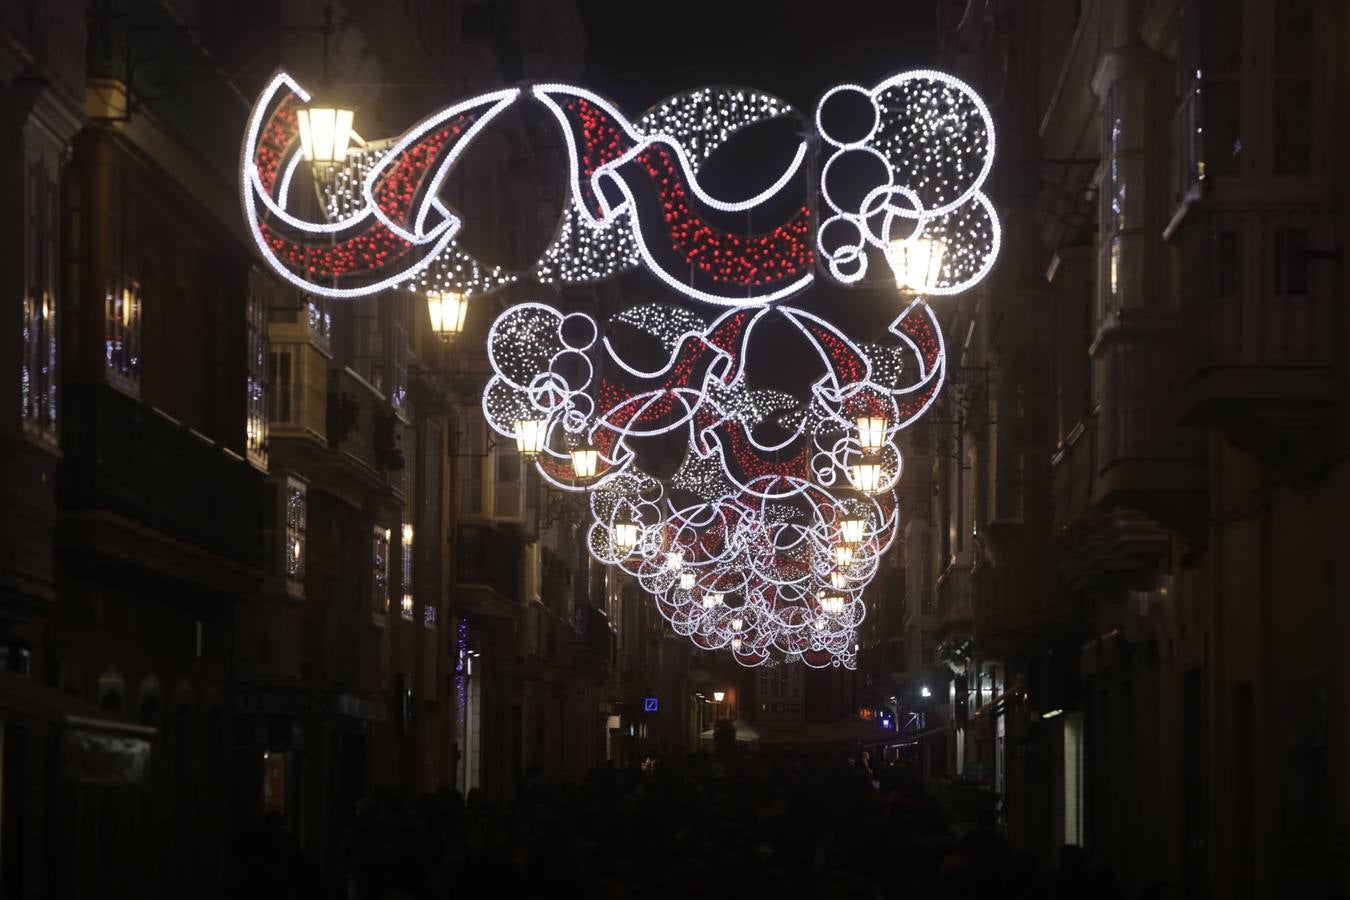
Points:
[867,476]
[851,530]
[838,580]
[871,432]
[820,624]
[406,606]
[843,555]
[625,535]
[325,133]
[674,559]
[712,600]
[917,262]
[737,623]
[407,534]
[687,579]
[447,310]
[719,696]
[530,435]
[736,645]
[585,460]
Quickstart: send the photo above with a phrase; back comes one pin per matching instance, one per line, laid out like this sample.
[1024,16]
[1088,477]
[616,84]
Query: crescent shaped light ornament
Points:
[753,515]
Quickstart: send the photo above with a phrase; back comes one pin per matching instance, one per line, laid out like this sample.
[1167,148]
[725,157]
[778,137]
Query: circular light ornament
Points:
[917,262]
[585,461]
[447,310]
[871,432]
[325,133]
[530,434]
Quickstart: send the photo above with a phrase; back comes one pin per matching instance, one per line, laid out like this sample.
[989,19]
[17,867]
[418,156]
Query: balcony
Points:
[1259,303]
[129,459]
[1096,542]
[955,602]
[596,642]
[488,569]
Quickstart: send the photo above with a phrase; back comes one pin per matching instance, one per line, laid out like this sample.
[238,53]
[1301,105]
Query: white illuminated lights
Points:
[794,527]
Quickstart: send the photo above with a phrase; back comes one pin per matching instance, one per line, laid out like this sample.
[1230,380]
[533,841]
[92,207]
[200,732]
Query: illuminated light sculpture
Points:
[447,310]
[775,524]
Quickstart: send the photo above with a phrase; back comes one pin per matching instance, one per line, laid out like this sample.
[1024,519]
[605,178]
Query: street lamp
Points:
[843,554]
[719,696]
[838,580]
[530,435]
[325,133]
[871,431]
[585,460]
[851,530]
[712,600]
[687,580]
[867,475]
[917,262]
[625,535]
[447,310]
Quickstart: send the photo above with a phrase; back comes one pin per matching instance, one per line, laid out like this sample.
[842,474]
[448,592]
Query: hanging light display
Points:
[447,310]
[773,524]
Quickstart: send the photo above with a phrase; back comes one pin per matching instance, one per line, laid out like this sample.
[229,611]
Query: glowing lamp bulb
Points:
[851,531]
[687,579]
[867,476]
[406,605]
[917,262]
[625,535]
[871,432]
[447,310]
[530,435]
[407,533]
[843,555]
[585,460]
[325,133]
[719,696]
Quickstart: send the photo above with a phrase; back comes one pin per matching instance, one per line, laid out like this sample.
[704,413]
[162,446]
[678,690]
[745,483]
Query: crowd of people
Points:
[708,825]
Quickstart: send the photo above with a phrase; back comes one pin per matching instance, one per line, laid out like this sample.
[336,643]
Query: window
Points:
[1209,120]
[37,373]
[406,605]
[255,424]
[927,648]
[507,488]
[1291,262]
[429,615]
[1226,256]
[122,299]
[470,461]
[319,318]
[295,530]
[1292,97]
[379,570]
[281,376]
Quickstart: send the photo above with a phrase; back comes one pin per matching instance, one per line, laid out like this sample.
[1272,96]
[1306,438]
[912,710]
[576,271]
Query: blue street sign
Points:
[651,704]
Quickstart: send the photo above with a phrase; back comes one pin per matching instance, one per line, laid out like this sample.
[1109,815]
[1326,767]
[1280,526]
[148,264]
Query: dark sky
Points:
[640,53]
[795,50]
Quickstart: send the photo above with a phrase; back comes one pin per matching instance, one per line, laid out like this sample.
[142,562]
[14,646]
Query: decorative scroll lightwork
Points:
[762,547]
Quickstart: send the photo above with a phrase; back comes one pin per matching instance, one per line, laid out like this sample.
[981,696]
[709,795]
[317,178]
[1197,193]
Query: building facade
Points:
[1138,569]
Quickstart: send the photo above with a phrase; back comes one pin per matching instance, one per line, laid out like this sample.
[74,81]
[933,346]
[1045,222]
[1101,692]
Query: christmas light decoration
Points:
[793,527]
